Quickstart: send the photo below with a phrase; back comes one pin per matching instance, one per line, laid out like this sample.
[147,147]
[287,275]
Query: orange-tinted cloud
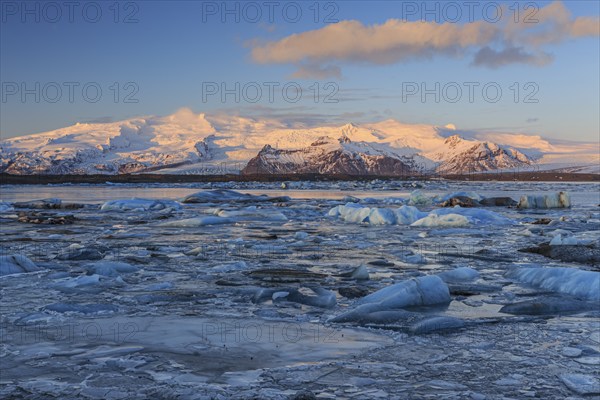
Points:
[489,44]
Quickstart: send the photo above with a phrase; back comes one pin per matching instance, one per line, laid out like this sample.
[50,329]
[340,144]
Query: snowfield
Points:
[371,289]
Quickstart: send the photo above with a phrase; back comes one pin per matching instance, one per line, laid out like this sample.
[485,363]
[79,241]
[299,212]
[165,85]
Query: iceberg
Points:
[196,222]
[422,291]
[575,282]
[16,264]
[414,259]
[556,200]
[230,267]
[5,207]
[417,198]
[406,215]
[549,305]
[558,240]
[448,220]
[300,235]
[382,216]
[410,215]
[83,280]
[351,212]
[230,196]
[251,213]
[159,286]
[498,202]
[137,205]
[470,195]
[110,268]
[324,298]
[460,274]
[435,324]
[581,384]
[476,216]
[82,308]
[47,204]
[356,213]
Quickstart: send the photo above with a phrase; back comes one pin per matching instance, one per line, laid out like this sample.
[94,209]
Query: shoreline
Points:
[7,179]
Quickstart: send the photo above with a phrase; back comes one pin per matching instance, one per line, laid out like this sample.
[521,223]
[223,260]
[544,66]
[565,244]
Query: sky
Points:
[527,67]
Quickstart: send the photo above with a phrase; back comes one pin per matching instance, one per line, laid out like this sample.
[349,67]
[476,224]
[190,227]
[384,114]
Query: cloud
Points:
[317,72]
[315,53]
[491,58]
[387,43]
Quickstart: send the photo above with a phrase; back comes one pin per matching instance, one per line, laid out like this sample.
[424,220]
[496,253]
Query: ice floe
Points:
[198,221]
[436,324]
[447,220]
[559,240]
[229,196]
[460,274]
[360,273]
[418,198]
[83,280]
[138,205]
[300,235]
[81,308]
[5,207]
[549,305]
[111,268]
[356,213]
[469,195]
[575,282]
[47,204]
[250,213]
[323,298]
[581,384]
[16,264]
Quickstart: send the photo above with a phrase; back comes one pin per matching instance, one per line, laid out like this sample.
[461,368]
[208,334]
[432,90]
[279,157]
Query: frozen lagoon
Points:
[229,310]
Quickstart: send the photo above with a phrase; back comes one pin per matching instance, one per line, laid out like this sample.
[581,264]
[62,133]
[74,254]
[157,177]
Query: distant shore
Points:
[7,179]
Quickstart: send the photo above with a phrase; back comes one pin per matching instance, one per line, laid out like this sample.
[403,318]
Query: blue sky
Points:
[169,51]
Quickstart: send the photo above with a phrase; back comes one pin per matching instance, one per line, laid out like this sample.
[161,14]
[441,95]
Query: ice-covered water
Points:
[144,299]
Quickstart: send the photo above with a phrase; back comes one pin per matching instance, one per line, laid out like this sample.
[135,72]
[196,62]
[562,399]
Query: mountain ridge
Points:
[185,142]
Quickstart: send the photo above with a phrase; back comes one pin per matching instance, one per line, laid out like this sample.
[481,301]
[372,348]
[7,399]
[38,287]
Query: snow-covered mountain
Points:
[188,143]
[329,156]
